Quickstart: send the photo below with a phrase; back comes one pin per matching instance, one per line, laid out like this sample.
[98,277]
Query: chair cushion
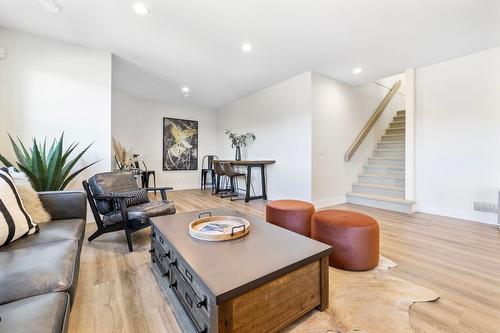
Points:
[54,231]
[38,269]
[107,182]
[14,220]
[46,313]
[140,197]
[141,212]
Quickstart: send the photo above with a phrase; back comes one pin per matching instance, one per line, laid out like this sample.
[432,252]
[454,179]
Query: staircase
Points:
[382,183]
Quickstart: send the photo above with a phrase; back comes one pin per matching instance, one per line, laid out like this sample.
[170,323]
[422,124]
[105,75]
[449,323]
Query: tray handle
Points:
[237,227]
[205,213]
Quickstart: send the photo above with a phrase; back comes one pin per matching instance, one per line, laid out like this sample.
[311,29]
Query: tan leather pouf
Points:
[294,215]
[354,237]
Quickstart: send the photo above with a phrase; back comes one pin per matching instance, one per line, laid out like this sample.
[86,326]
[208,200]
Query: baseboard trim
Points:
[340,199]
[467,215]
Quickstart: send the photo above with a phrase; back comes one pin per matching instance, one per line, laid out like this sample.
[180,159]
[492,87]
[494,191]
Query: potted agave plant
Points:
[239,140]
[47,169]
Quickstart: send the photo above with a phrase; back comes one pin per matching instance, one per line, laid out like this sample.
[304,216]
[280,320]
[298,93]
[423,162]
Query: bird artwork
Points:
[180,144]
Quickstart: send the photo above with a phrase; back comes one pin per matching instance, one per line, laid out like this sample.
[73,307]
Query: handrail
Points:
[373,119]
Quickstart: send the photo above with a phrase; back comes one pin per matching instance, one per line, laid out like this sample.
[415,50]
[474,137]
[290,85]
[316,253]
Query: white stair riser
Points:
[387,161]
[382,181]
[393,137]
[395,131]
[379,191]
[399,118]
[391,145]
[385,170]
[397,207]
[388,153]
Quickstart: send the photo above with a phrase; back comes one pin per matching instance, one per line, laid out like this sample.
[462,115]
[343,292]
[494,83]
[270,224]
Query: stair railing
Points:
[373,119]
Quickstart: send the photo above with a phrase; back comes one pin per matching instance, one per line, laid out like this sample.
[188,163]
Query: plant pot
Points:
[238,154]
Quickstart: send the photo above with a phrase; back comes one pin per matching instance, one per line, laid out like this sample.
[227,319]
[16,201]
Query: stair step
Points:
[383,202]
[378,178]
[399,118]
[386,161]
[401,113]
[395,130]
[388,169]
[389,144]
[387,152]
[397,124]
[393,137]
[377,189]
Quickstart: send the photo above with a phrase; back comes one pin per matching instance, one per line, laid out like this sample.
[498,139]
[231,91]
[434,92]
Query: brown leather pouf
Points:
[294,215]
[354,237]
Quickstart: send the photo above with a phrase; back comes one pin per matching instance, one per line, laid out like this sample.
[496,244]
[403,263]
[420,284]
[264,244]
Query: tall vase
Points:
[238,153]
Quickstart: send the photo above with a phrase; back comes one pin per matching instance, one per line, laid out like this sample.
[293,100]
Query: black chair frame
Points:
[129,226]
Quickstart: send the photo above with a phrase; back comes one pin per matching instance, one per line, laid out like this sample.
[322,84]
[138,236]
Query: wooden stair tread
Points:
[381,198]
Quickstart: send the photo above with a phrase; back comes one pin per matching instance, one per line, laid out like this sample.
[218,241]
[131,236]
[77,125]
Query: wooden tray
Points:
[237,227]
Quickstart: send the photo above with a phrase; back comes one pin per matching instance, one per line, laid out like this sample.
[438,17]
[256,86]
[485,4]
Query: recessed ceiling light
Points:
[357,70]
[141,8]
[185,89]
[50,6]
[247,47]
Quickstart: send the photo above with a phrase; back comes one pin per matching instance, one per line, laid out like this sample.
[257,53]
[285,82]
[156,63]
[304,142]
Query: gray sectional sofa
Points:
[39,273]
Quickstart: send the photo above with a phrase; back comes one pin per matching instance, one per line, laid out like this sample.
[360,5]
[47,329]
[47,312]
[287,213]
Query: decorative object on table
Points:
[239,140]
[29,197]
[15,221]
[47,170]
[122,155]
[218,228]
[114,199]
[209,169]
[180,144]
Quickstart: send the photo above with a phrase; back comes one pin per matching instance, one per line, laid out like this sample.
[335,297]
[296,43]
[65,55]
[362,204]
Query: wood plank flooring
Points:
[458,259]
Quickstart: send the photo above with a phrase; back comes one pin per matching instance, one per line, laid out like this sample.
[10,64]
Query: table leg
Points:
[217,184]
[249,179]
[263,178]
[324,283]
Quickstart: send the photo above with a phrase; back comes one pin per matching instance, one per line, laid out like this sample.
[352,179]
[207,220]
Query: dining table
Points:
[249,165]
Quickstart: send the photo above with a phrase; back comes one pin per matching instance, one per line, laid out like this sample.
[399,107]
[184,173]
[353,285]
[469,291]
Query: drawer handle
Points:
[153,235]
[202,303]
[166,255]
[152,251]
[205,330]
[164,274]
[189,275]
[205,213]
[188,299]
[173,263]
[173,285]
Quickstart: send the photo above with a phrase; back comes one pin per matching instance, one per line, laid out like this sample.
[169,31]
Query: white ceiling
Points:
[197,42]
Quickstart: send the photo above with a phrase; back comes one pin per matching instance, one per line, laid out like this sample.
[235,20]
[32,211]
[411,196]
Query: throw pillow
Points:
[15,222]
[29,197]
[140,196]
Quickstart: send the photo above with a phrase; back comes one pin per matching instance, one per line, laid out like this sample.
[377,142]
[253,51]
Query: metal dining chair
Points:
[208,160]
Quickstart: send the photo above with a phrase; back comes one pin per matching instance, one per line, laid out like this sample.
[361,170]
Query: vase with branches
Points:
[239,140]
[47,169]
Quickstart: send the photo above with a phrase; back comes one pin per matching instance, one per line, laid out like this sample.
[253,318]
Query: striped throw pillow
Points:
[140,197]
[14,220]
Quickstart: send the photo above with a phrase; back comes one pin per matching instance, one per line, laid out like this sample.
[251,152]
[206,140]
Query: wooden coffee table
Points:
[261,282]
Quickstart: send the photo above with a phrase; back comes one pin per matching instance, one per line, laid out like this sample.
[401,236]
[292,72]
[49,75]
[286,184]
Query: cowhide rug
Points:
[375,301]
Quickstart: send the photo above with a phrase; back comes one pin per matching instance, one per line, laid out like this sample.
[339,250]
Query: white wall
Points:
[138,125]
[47,87]
[280,117]
[339,112]
[458,135]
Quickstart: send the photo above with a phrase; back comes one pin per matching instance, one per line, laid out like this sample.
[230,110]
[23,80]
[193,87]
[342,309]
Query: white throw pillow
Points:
[29,197]
[15,222]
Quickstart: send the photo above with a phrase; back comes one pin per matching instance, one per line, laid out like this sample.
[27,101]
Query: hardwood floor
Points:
[458,259]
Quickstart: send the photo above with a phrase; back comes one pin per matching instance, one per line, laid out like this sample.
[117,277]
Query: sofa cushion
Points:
[54,231]
[38,269]
[141,212]
[14,220]
[46,313]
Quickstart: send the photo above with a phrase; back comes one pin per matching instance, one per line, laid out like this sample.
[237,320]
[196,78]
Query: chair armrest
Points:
[65,204]
[159,188]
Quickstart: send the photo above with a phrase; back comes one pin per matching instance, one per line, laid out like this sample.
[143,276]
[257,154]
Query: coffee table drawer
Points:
[190,302]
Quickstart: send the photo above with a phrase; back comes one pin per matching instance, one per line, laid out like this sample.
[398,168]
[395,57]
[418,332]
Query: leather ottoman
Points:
[354,237]
[294,215]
